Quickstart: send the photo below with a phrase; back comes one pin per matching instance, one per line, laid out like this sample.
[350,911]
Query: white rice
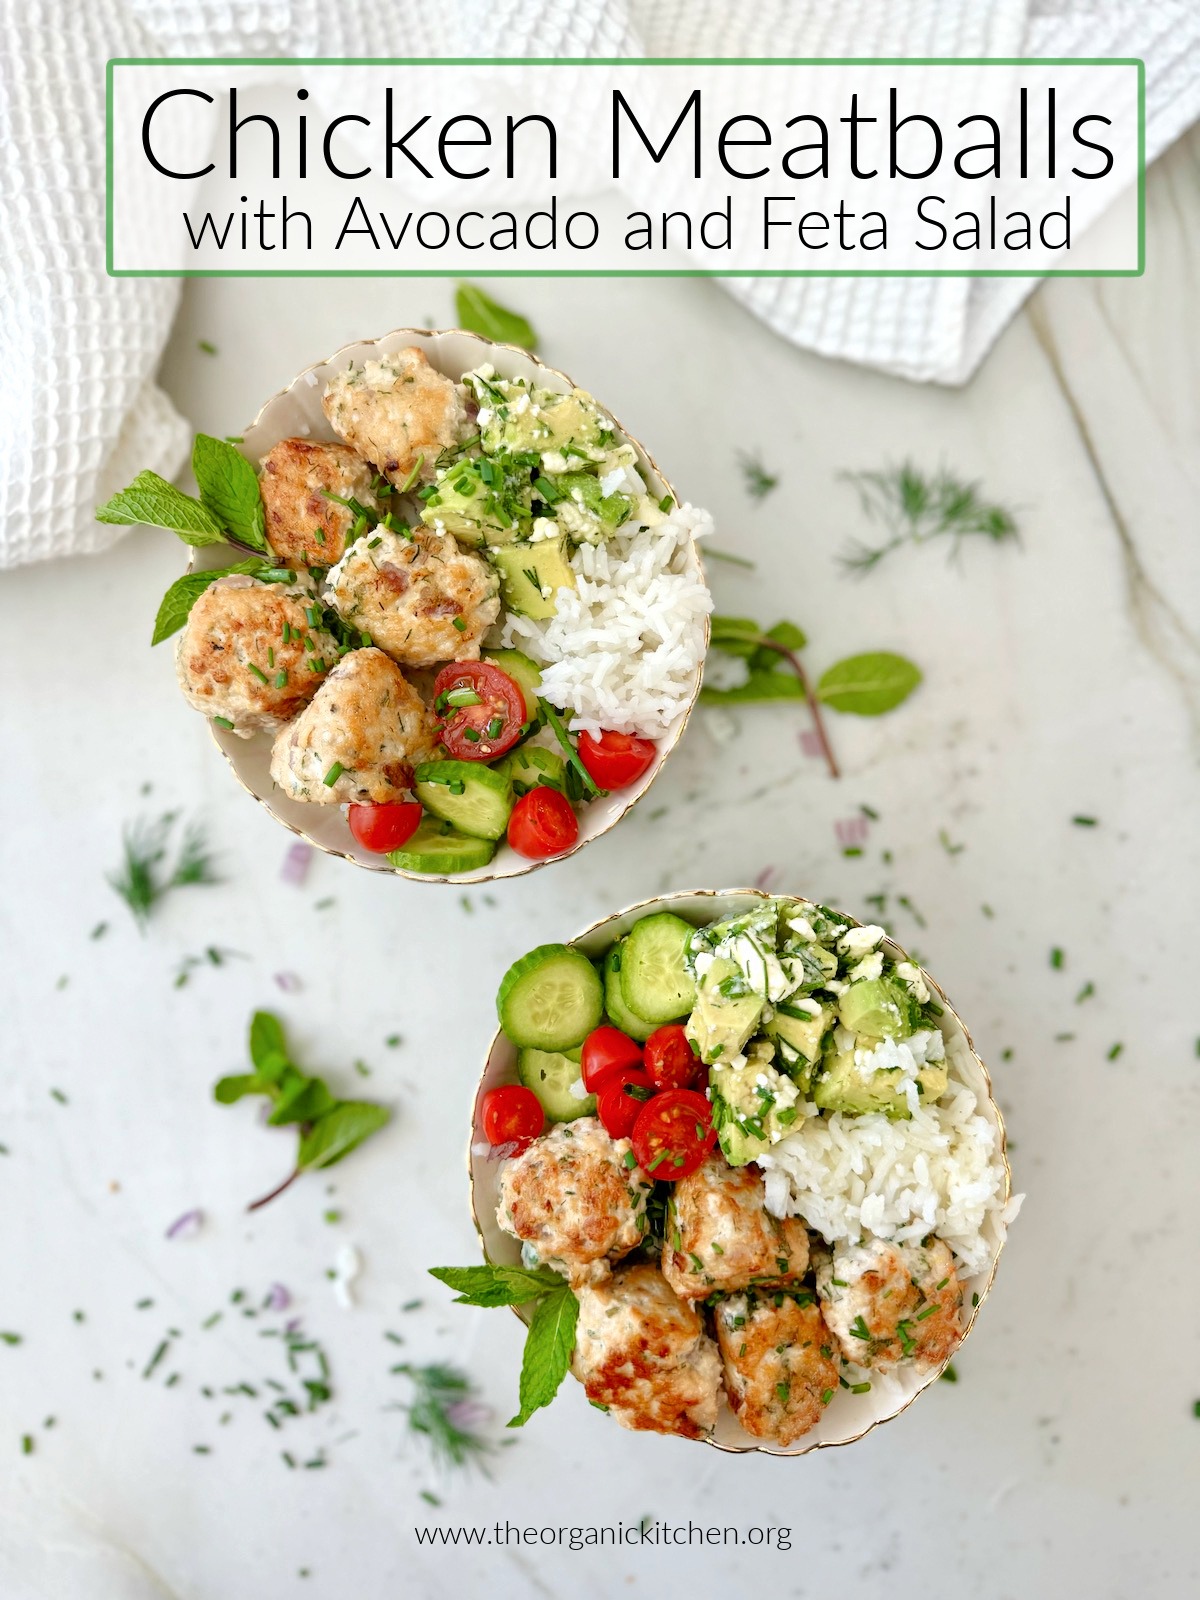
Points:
[939,1172]
[624,646]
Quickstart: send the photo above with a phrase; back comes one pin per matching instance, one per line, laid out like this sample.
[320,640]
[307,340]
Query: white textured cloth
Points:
[80,412]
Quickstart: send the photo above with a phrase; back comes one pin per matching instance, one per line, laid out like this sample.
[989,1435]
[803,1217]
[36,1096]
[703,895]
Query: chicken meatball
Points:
[360,738]
[643,1354]
[892,1303]
[779,1360]
[304,524]
[575,1199]
[721,1237]
[419,596]
[249,653]
[399,412]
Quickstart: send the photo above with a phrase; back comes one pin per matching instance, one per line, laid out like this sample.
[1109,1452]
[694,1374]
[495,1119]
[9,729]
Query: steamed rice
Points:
[938,1172]
[624,646]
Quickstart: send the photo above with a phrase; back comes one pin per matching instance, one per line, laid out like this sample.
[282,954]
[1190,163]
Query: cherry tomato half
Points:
[621,1100]
[670,1060]
[607,1051]
[673,1134]
[543,823]
[385,827]
[512,1114]
[615,760]
[482,710]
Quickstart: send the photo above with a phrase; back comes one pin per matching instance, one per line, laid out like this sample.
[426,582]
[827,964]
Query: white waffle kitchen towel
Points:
[80,412]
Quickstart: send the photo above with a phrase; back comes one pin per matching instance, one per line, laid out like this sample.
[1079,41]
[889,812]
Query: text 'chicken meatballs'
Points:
[575,1199]
[399,412]
[418,595]
[298,483]
[778,1356]
[642,1352]
[720,1236]
[892,1303]
[360,738]
[250,655]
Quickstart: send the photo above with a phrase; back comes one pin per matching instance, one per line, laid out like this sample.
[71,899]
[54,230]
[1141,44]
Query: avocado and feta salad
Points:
[463,619]
[750,1144]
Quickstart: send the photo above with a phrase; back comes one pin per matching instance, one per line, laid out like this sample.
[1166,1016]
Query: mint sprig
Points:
[177,603]
[228,487]
[152,501]
[551,1337]
[479,313]
[329,1128]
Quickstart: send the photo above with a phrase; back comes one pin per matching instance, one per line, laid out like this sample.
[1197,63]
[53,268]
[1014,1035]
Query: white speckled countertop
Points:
[1062,678]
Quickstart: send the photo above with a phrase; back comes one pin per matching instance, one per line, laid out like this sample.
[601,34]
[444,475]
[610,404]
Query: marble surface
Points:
[1062,677]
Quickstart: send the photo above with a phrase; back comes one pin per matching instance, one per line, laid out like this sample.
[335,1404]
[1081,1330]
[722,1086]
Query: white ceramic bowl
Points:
[296,410]
[848,1416]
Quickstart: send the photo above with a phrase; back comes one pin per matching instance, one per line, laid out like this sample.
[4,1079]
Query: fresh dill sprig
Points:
[915,507]
[445,1412]
[143,877]
[759,482]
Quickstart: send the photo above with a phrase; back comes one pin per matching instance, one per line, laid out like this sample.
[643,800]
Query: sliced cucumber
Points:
[437,847]
[551,999]
[476,798]
[551,1074]
[524,672]
[619,1013]
[655,983]
[532,574]
[532,764]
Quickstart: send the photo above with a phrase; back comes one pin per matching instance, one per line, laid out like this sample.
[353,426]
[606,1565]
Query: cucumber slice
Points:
[524,672]
[437,847]
[551,999]
[655,983]
[532,764]
[476,798]
[550,1074]
[619,1013]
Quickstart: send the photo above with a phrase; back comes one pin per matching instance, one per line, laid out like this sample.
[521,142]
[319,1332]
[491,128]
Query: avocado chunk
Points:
[879,1008]
[726,1012]
[585,510]
[532,574]
[754,1105]
[478,504]
[798,1037]
[840,1086]
[523,419]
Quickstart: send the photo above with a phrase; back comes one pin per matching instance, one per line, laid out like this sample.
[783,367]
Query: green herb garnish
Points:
[143,878]
[914,507]
[441,1411]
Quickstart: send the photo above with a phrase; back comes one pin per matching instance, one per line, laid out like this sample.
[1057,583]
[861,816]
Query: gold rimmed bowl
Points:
[848,1417]
[296,412]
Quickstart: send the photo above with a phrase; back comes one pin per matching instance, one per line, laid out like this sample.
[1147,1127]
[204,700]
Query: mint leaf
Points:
[760,685]
[177,603]
[300,1099]
[152,500]
[548,1348]
[498,1286]
[736,636]
[339,1131]
[227,1090]
[268,1046]
[868,685]
[229,489]
[479,313]
[788,635]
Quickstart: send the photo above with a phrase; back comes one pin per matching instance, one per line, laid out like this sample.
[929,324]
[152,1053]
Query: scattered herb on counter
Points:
[1085,993]
[551,1336]
[329,1128]
[478,313]
[445,1412]
[1085,822]
[914,507]
[948,845]
[206,346]
[1057,958]
[214,956]
[1114,1051]
[11,1338]
[727,555]
[949,1374]
[143,879]
[758,481]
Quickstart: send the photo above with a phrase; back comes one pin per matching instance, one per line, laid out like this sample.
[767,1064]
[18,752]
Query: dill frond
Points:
[915,507]
[195,863]
[759,482]
[445,1413]
[142,879]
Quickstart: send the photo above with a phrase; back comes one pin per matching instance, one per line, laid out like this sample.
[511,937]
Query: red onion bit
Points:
[851,830]
[278,1298]
[288,982]
[186,1226]
[764,877]
[296,864]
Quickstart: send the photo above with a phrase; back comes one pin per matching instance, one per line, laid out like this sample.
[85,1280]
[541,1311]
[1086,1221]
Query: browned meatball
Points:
[359,739]
[574,1199]
[398,412]
[642,1352]
[721,1237]
[892,1303]
[780,1371]
[419,596]
[304,525]
[249,654]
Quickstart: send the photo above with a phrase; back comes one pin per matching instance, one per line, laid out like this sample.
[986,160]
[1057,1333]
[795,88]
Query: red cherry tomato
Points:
[615,760]
[543,823]
[512,1115]
[670,1060]
[607,1051]
[385,827]
[491,723]
[673,1134]
[621,1100]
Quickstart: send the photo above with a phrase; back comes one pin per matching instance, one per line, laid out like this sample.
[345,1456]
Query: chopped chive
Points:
[667,503]
[827,1396]
[223,722]
[1084,822]
[270,655]
[26,1444]
[495,727]
[1056,958]
[460,624]
[281,678]
[1115,1051]
[332,776]
[461,697]
[257,671]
